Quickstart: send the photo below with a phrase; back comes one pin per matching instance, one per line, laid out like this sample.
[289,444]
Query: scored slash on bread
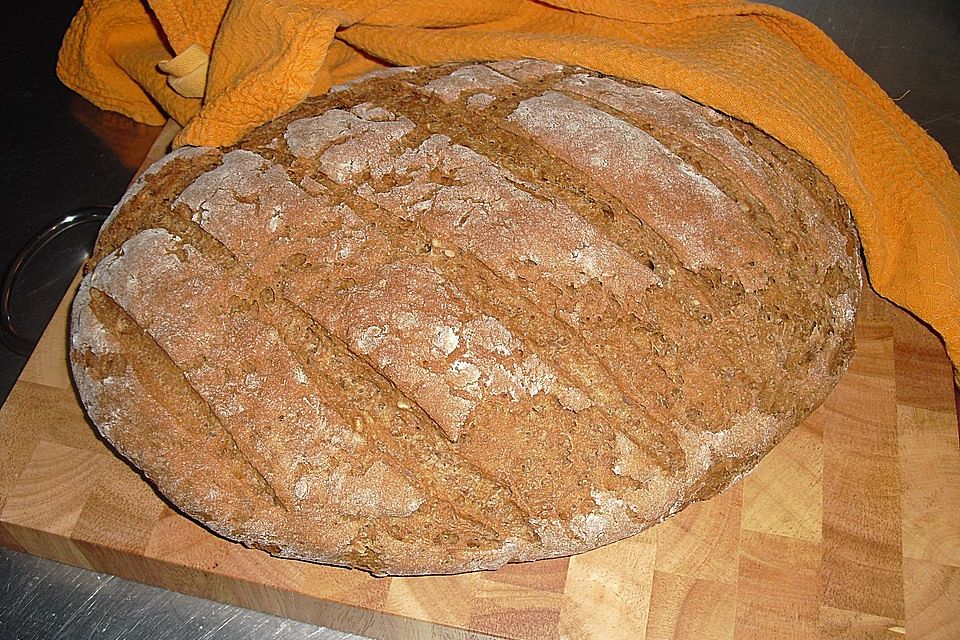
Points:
[445,318]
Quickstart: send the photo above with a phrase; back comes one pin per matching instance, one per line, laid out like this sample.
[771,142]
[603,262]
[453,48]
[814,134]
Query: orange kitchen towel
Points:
[756,62]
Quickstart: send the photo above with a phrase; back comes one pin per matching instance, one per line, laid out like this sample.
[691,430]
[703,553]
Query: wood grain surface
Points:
[850,528]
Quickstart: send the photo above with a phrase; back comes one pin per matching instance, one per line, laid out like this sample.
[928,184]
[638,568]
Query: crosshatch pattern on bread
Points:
[446,318]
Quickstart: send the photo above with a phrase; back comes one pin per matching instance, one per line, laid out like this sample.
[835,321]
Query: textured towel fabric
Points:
[758,63]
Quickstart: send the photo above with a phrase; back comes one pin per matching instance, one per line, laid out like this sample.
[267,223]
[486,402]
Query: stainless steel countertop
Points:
[59,152]
[44,599]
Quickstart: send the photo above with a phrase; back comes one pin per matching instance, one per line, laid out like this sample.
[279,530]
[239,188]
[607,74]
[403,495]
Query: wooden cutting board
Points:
[850,528]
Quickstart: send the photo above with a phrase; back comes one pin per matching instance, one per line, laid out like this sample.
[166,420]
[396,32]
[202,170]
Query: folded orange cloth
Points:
[756,62]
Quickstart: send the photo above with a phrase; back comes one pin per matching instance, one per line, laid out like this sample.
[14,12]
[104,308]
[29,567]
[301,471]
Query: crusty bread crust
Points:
[446,318]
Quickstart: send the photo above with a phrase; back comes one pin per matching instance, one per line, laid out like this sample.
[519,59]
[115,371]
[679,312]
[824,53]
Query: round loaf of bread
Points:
[445,318]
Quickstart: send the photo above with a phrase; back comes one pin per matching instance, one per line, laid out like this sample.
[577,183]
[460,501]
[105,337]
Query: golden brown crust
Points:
[447,318]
